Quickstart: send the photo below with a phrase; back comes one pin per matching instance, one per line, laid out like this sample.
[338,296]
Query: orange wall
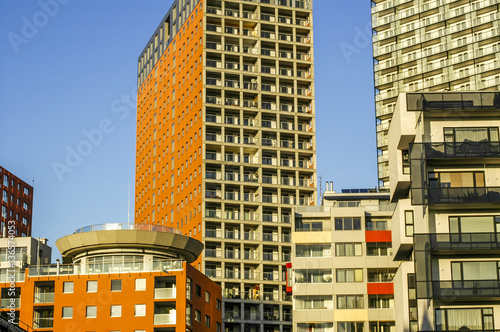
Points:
[154,171]
[128,296]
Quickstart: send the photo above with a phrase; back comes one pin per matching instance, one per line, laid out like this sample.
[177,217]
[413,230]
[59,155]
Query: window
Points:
[381,301]
[456,179]
[348,249]
[188,313]
[350,302]
[219,327]
[207,321]
[140,310]
[116,285]
[406,161]
[347,224]
[189,282]
[207,297]
[67,312]
[314,327]
[25,206]
[116,311]
[198,290]
[379,249]
[349,275]
[474,272]
[68,287]
[383,326]
[313,276]
[26,191]
[197,315]
[409,223]
[140,284]
[25,221]
[469,319]
[464,135]
[91,312]
[313,250]
[91,286]
[349,326]
[349,204]
[474,224]
[218,304]
[314,302]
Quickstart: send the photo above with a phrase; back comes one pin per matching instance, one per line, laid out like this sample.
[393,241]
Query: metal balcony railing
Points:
[460,195]
[456,150]
[457,241]
[464,289]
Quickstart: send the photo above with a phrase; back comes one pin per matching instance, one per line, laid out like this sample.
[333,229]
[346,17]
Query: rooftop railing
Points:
[128,226]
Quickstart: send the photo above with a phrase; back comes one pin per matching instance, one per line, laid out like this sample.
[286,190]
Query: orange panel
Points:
[380,288]
[378,236]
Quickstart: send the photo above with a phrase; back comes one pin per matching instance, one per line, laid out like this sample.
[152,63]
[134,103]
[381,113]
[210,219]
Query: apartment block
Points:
[226,143]
[115,277]
[16,205]
[431,45]
[341,274]
[444,155]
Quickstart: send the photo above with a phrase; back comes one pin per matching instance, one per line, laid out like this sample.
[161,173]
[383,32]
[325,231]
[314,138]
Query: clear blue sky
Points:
[70,70]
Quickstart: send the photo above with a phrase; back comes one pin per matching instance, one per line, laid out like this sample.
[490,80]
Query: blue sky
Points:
[67,103]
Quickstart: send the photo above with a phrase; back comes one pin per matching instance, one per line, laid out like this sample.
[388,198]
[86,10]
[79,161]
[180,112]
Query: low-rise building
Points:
[117,277]
[341,271]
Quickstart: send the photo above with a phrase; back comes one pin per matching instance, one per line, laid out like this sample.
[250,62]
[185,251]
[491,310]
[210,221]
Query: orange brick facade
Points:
[169,134]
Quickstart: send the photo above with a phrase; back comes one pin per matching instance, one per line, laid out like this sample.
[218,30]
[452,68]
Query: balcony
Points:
[43,323]
[446,243]
[164,319]
[44,298]
[7,303]
[165,293]
[466,289]
[459,195]
[455,150]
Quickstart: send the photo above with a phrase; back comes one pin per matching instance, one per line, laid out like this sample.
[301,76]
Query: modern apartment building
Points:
[431,45]
[226,143]
[16,205]
[342,269]
[444,154]
[116,277]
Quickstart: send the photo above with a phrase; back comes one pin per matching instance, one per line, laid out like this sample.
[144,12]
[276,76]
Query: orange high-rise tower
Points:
[226,143]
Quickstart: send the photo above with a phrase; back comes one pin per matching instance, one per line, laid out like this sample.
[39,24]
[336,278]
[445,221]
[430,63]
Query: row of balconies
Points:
[265,160]
[268,105]
[254,197]
[270,34]
[228,138]
[213,213]
[383,5]
[447,12]
[265,87]
[446,70]
[298,4]
[235,48]
[263,296]
[266,179]
[247,236]
[235,120]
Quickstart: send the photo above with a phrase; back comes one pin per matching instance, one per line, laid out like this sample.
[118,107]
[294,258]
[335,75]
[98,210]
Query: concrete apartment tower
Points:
[444,154]
[226,143]
[342,269]
[436,45]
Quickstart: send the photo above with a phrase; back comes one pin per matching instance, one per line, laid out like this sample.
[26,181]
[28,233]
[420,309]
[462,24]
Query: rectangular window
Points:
[314,302]
[349,327]
[67,312]
[347,223]
[91,286]
[406,161]
[198,290]
[207,297]
[140,310]
[189,282]
[91,312]
[68,287]
[313,276]
[349,275]
[409,223]
[456,179]
[350,302]
[116,311]
[207,321]
[381,301]
[464,319]
[379,249]
[348,249]
[197,315]
[188,313]
[140,284]
[219,304]
[314,250]
[116,285]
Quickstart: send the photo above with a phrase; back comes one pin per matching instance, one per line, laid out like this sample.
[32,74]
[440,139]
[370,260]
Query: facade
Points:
[16,205]
[342,269]
[444,155]
[226,143]
[437,45]
[117,277]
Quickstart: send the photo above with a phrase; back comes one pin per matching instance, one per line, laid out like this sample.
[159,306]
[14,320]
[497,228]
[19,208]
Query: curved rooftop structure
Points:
[130,238]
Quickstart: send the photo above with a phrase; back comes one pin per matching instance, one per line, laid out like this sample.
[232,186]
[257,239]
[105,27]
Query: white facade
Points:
[444,154]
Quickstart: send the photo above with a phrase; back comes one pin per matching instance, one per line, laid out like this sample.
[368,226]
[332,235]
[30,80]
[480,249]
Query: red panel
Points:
[378,236]
[380,288]
[288,277]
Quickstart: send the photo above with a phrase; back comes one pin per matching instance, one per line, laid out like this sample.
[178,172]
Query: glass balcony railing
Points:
[44,297]
[457,241]
[465,289]
[456,150]
[460,195]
